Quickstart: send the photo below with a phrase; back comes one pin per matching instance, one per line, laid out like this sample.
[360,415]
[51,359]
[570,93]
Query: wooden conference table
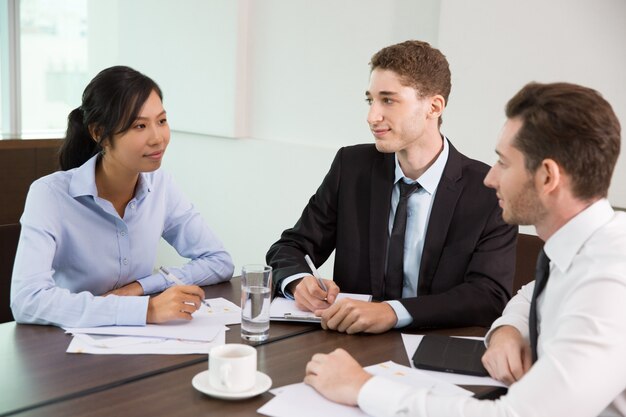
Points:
[39,379]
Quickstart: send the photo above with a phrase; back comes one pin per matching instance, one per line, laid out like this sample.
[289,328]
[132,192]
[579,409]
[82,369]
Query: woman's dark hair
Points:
[111,103]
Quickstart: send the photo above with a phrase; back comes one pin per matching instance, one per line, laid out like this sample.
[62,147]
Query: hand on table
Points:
[175,303]
[337,376]
[310,297]
[354,316]
[508,356]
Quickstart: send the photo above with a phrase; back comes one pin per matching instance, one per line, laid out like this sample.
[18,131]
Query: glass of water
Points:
[256,289]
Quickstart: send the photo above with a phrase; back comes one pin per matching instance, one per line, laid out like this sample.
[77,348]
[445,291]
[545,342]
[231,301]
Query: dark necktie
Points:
[542,272]
[394,278]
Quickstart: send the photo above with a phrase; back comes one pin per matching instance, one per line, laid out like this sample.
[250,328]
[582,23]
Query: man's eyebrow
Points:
[382,93]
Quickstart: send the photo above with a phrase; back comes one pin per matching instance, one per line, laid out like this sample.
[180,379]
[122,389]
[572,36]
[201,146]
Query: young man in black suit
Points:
[409,217]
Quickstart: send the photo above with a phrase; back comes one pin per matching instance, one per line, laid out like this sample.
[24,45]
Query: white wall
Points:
[189,48]
[291,76]
[308,68]
[248,190]
[495,47]
[306,74]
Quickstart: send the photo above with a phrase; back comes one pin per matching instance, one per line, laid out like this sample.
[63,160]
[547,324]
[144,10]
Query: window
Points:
[50,65]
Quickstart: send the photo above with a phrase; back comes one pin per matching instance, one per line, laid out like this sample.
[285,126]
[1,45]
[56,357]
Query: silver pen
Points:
[316,274]
[296,317]
[174,279]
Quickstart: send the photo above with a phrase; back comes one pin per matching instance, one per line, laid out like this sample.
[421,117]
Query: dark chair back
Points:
[9,235]
[528,247]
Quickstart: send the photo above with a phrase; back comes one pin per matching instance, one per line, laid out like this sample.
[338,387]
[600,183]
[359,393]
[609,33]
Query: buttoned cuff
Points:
[289,280]
[520,324]
[131,311]
[383,397]
[404,318]
[153,283]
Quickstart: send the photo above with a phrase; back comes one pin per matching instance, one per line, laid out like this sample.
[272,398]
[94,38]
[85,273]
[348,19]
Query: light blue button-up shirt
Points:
[419,206]
[74,247]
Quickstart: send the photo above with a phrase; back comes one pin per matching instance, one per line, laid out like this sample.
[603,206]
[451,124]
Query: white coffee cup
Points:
[232,367]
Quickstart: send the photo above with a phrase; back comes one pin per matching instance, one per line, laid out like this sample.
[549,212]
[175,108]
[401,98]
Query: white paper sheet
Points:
[412,341]
[127,345]
[204,327]
[416,378]
[303,401]
[224,311]
[281,306]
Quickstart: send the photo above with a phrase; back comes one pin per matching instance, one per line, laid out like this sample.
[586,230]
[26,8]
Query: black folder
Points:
[450,354]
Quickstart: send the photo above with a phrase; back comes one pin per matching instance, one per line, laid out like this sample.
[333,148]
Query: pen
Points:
[316,274]
[173,278]
[313,319]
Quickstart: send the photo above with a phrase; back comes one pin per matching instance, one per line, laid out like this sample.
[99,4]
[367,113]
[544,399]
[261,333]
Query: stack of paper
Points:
[309,403]
[207,329]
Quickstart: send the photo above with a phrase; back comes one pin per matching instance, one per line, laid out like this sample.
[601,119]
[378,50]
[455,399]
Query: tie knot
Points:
[407,189]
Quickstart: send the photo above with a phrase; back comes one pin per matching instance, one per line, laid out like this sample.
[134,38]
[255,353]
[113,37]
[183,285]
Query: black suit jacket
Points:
[468,261]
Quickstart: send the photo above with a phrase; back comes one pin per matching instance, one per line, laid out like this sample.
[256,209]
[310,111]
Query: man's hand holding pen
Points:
[309,296]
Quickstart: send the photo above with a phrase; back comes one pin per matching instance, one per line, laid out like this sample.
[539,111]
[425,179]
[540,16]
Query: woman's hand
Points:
[175,303]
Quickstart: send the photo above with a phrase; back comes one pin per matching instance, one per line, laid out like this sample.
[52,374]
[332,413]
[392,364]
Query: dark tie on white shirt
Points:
[542,272]
[394,278]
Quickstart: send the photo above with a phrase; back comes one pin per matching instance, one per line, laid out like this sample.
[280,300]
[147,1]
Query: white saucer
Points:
[201,383]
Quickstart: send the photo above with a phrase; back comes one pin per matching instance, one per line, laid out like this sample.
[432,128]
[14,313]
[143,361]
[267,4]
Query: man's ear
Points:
[437,104]
[548,176]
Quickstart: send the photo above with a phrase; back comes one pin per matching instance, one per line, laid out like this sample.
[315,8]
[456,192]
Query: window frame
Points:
[10,72]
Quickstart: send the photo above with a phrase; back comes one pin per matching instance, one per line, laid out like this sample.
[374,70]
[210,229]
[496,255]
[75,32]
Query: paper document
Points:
[206,324]
[130,345]
[412,341]
[309,403]
[284,309]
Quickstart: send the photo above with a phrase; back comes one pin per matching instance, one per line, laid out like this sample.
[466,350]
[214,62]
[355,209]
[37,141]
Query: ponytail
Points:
[78,145]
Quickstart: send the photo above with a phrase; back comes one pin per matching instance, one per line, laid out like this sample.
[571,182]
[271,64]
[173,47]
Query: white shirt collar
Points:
[566,242]
[429,180]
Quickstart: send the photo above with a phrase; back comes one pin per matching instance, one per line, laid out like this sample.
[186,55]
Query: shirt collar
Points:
[429,180]
[83,181]
[566,242]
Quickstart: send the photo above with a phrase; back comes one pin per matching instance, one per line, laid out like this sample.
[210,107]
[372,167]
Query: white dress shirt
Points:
[581,370]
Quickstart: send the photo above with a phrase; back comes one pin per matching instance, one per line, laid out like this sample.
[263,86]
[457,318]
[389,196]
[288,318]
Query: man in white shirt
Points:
[556,152]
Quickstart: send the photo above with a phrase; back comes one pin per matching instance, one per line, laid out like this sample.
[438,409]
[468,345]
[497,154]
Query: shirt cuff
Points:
[289,280]
[131,311]
[153,283]
[520,325]
[404,318]
[384,397]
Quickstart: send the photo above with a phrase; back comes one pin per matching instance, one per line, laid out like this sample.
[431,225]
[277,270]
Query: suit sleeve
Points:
[485,287]
[313,234]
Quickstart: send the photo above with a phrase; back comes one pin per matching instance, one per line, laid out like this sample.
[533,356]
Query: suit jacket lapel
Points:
[380,202]
[446,198]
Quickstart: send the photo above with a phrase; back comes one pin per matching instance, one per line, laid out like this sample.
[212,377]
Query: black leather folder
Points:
[450,354]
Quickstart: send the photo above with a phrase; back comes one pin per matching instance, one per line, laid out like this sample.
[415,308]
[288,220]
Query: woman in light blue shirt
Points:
[90,232]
